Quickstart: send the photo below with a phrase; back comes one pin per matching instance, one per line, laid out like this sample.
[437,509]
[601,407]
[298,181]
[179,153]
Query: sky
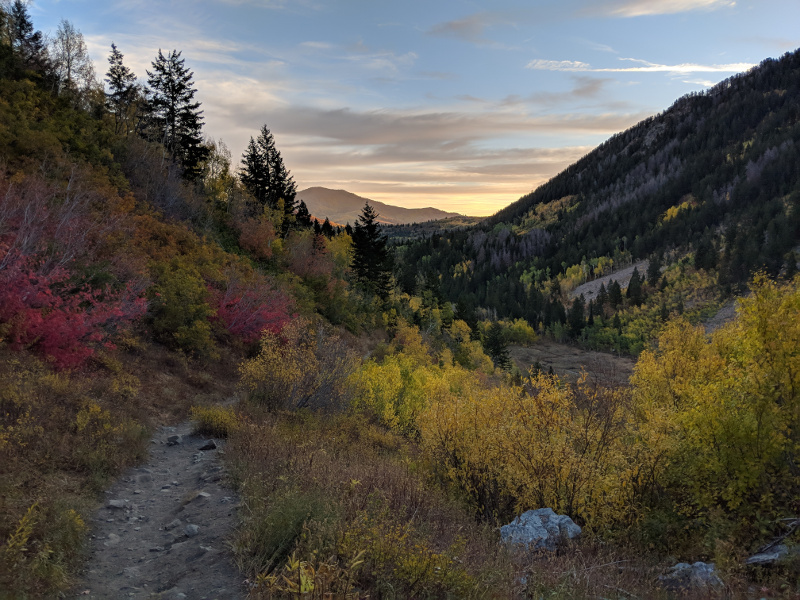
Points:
[457,104]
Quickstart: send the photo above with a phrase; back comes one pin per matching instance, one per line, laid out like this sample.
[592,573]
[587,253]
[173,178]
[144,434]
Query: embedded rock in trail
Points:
[540,529]
[163,531]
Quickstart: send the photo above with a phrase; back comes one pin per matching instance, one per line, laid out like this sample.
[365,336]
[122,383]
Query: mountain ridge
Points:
[341,206]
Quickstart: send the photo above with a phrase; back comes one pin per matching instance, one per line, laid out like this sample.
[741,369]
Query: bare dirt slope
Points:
[621,276]
[164,527]
[568,361]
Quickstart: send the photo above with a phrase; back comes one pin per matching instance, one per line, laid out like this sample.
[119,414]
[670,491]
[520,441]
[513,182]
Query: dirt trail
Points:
[164,527]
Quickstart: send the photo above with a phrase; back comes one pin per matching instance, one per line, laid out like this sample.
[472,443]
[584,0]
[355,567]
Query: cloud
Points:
[641,8]
[469,29]
[642,67]
[558,65]
[585,88]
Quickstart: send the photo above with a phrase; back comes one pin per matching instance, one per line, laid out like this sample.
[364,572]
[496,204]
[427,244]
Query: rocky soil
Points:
[164,529]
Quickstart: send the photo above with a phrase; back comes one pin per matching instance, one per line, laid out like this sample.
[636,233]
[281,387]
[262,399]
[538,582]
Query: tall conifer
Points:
[176,116]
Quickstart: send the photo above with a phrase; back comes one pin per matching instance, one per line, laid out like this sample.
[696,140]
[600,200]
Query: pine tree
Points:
[371,261]
[654,270]
[497,347]
[177,118]
[575,317]
[265,176]
[634,291]
[303,217]
[123,92]
[614,294]
[27,43]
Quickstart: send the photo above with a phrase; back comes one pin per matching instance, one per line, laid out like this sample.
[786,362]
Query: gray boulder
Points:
[684,576]
[540,529]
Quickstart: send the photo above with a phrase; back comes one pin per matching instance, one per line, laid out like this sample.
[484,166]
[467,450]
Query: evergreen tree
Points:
[265,176]
[176,117]
[654,270]
[705,256]
[327,228]
[602,297]
[614,294]
[123,93]
[371,262]
[303,217]
[497,347]
[27,43]
[575,316]
[634,291]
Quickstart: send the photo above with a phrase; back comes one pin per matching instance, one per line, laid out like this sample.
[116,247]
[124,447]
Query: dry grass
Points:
[344,486]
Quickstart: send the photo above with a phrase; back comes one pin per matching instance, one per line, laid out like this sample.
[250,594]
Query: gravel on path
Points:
[164,527]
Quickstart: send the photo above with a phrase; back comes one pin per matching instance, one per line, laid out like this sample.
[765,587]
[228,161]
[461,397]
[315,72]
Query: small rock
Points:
[540,529]
[198,457]
[175,483]
[684,576]
[209,445]
[203,495]
[116,504]
[157,549]
[174,440]
[173,524]
[191,530]
[113,540]
[772,556]
[137,491]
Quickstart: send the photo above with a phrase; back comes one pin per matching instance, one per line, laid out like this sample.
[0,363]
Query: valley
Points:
[211,388]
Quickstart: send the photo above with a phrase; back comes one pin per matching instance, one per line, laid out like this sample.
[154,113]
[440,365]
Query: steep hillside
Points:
[341,206]
[714,178]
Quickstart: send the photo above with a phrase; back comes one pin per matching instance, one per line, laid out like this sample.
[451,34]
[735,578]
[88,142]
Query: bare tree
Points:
[73,67]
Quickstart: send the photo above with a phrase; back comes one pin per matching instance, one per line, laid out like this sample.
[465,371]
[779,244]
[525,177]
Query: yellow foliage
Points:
[720,415]
[306,366]
[215,421]
[548,446]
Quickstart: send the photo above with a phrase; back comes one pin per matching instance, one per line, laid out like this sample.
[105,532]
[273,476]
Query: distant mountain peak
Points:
[341,206]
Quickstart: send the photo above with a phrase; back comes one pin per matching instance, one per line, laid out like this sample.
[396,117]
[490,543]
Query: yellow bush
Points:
[215,421]
[306,366]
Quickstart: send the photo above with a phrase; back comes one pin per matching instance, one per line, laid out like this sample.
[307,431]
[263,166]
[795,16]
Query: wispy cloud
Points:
[469,29]
[642,66]
[641,8]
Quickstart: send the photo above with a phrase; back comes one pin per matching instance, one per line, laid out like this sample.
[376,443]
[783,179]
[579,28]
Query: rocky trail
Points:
[164,528]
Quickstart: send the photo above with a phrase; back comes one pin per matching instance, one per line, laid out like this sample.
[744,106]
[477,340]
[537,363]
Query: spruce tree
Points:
[28,44]
[303,217]
[176,117]
[497,347]
[265,176]
[371,262]
[634,291]
[123,91]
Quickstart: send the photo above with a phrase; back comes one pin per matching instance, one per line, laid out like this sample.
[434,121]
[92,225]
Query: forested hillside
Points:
[713,178]
[376,432]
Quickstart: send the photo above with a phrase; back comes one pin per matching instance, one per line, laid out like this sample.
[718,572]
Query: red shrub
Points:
[247,309]
[45,312]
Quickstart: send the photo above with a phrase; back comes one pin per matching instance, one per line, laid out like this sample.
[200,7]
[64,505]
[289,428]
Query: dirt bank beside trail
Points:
[164,528]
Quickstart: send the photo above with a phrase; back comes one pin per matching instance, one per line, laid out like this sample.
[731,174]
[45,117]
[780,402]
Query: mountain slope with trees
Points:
[712,178]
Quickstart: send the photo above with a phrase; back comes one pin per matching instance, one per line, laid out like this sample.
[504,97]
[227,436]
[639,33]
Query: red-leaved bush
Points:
[43,311]
[248,308]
